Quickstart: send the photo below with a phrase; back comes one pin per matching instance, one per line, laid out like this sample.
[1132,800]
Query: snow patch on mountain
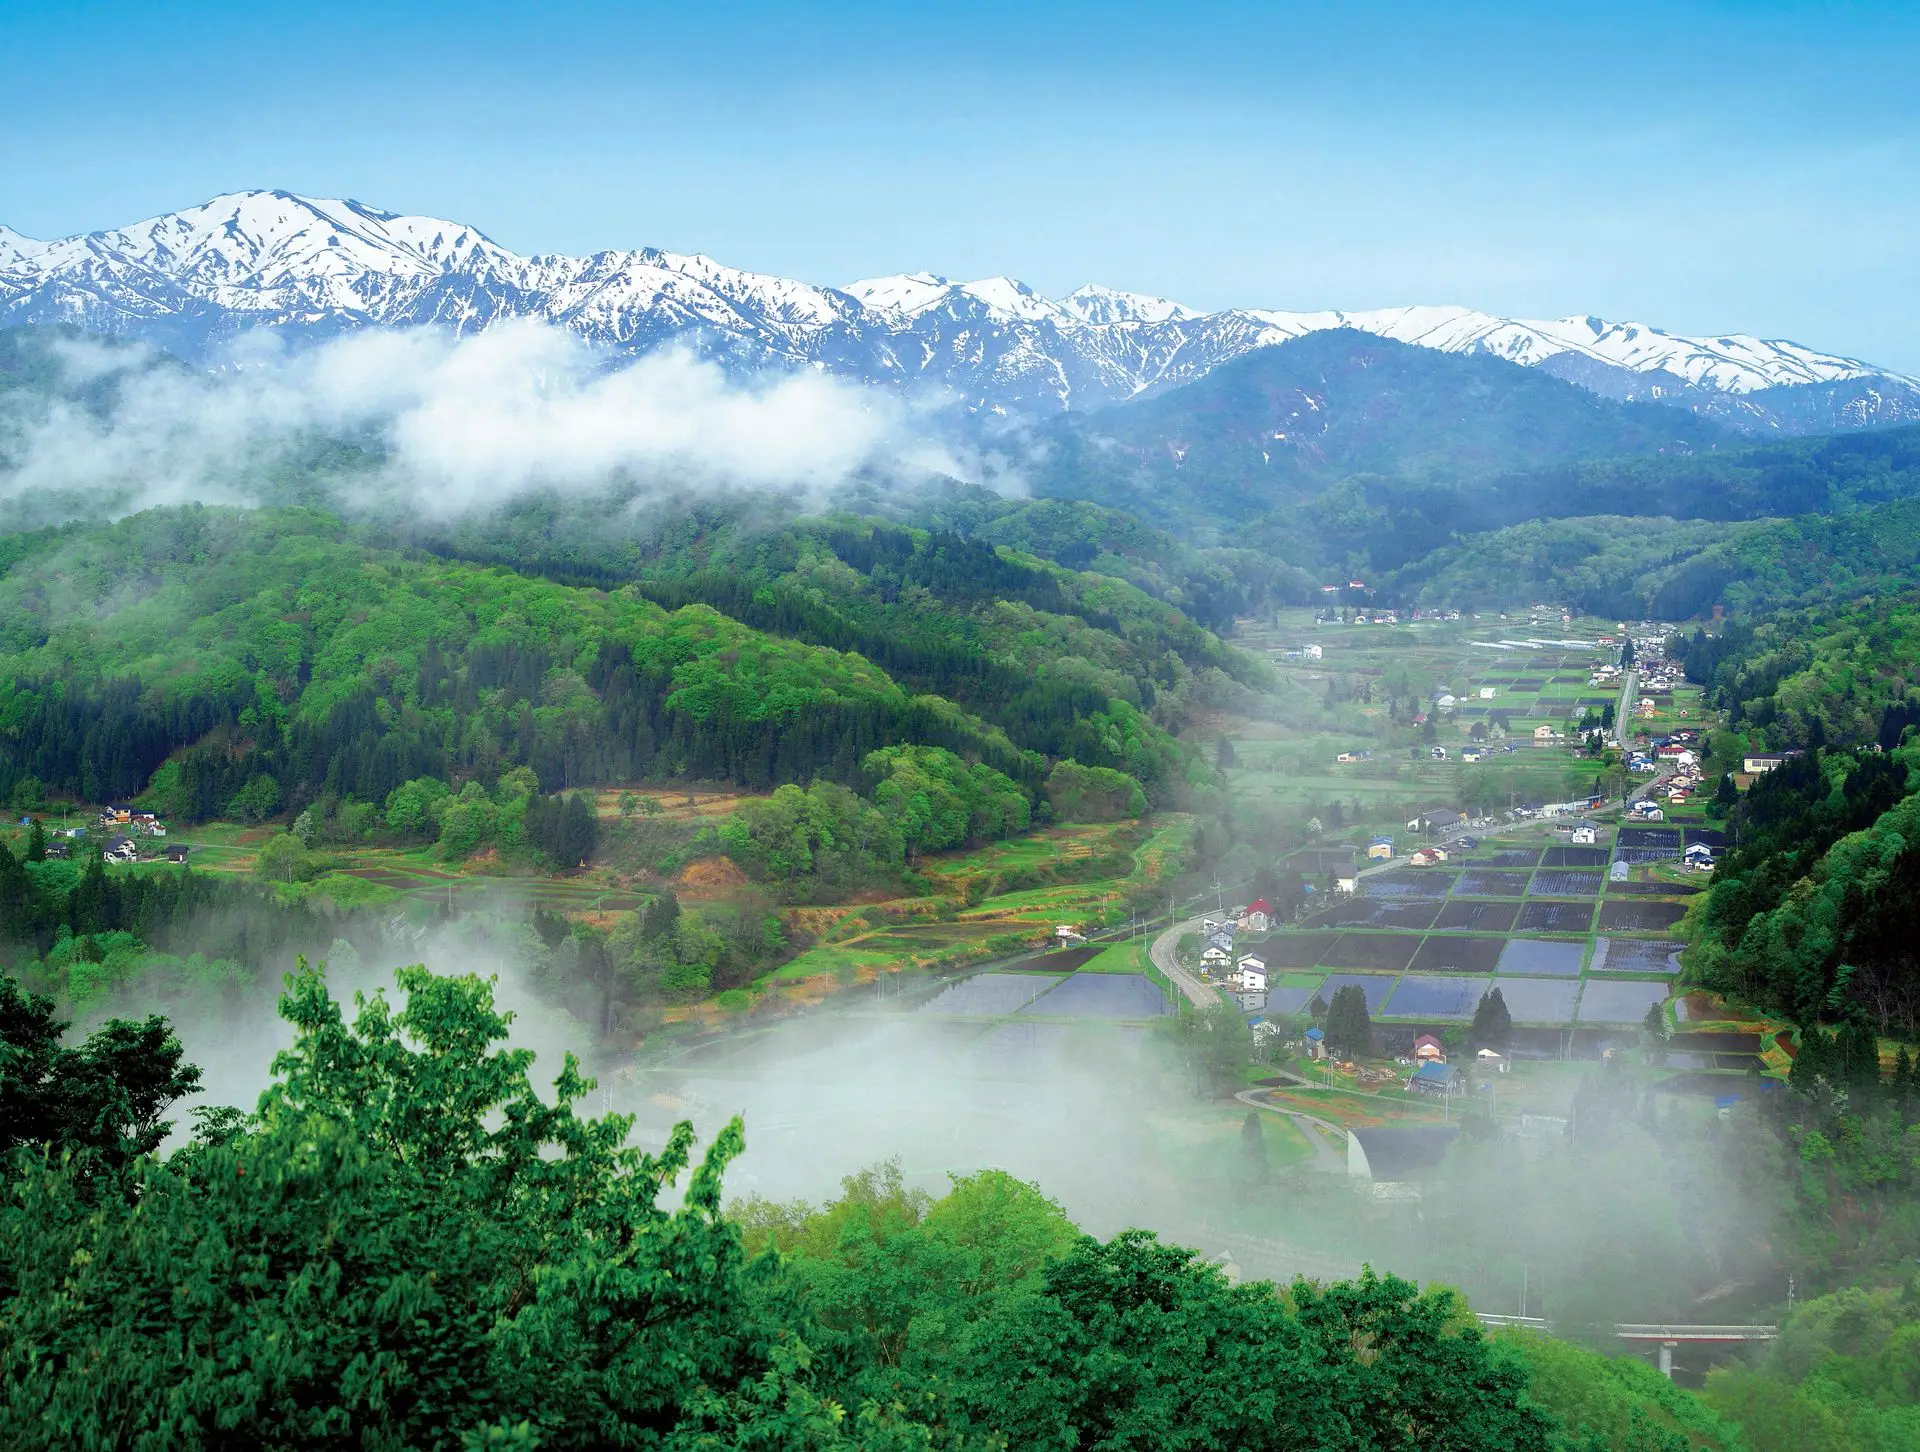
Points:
[192,279]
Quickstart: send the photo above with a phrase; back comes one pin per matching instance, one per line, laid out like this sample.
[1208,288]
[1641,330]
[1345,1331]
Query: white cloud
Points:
[463,423]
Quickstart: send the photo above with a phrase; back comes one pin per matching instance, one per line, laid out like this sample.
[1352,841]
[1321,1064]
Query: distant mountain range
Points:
[189,281]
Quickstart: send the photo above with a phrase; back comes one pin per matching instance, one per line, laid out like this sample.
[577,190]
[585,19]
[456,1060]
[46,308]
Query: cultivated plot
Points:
[1435,997]
[1575,857]
[1477,883]
[1296,950]
[1442,954]
[1101,995]
[1636,955]
[1552,957]
[990,995]
[1417,883]
[1561,882]
[1618,1000]
[1376,986]
[1290,1000]
[1540,1000]
[1389,951]
[1515,857]
[1485,917]
[1642,917]
[1555,917]
[1362,913]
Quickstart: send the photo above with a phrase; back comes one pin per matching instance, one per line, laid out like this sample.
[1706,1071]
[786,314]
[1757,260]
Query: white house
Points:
[1215,957]
[1763,761]
[1584,835]
[1545,733]
[1252,973]
[1486,693]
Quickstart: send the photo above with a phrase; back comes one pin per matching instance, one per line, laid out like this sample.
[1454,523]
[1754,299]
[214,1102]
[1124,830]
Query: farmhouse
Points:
[1214,956]
[1428,1049]
[1545,733]
[1380,849]
[1432,1077]
[1258,917]
[1584,834]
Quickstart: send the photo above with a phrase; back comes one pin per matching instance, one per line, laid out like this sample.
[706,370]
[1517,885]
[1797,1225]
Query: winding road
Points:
[1164,958]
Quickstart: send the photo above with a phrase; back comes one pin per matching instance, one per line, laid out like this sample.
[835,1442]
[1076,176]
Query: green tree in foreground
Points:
[405,1246]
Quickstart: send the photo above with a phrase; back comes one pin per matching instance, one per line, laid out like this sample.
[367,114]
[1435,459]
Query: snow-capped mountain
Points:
[191,280]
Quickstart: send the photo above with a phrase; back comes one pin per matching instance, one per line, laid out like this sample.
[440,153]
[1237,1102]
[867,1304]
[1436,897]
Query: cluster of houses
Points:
[1246,974]
[122,828]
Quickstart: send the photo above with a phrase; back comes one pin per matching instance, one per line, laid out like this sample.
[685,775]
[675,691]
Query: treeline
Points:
[403,1199]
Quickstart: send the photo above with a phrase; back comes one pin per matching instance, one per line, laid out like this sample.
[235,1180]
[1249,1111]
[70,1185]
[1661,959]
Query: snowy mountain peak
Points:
[1095,304]
[190,279]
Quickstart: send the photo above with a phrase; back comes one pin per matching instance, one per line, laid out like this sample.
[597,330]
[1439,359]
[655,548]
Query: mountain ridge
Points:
[194,279]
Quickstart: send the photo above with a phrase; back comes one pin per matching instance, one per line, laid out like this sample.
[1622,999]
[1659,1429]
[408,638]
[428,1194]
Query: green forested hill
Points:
[280,644]
[1285,422]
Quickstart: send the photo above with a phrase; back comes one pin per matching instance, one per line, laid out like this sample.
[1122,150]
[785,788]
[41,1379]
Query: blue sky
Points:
[1704,167]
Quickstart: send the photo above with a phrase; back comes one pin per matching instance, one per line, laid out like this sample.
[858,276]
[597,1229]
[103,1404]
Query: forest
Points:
[253,664]
[403,1244]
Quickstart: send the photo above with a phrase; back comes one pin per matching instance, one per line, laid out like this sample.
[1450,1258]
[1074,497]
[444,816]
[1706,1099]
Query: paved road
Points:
[1628,686]
[1326,1158]
[1161,951]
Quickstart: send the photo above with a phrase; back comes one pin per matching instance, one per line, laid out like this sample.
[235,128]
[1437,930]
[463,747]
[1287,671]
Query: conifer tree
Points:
[1492,1023]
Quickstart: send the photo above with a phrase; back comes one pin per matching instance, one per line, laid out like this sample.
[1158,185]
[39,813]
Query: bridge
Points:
[1664,1335]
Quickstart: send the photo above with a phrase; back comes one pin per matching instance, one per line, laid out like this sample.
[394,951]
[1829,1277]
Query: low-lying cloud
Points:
[450,424]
